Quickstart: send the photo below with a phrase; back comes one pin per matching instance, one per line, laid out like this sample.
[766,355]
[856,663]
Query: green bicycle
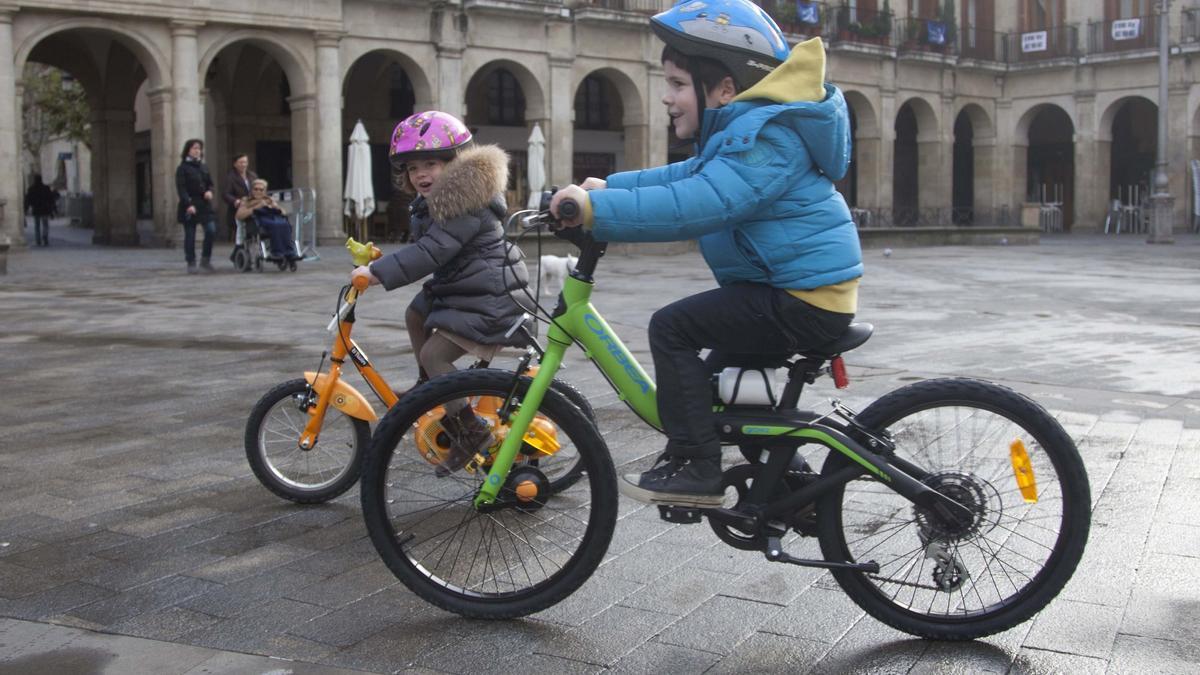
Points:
[948,509]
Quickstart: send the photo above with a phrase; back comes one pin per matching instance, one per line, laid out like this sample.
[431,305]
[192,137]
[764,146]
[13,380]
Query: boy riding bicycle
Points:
[771,138]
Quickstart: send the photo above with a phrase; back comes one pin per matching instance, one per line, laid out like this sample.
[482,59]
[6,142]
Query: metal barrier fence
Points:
[300,204]
[965,217]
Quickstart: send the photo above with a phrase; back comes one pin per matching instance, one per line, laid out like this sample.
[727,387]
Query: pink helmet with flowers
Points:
[431,133]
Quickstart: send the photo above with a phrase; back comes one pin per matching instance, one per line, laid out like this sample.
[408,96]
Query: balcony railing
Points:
[1120,35]
[1043,44]
[924,35]
[1191,25]
[982,45]
[857,26]
[795,17]
[640,6]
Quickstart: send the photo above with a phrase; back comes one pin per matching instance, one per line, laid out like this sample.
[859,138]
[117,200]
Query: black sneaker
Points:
[678,481]
[469,434]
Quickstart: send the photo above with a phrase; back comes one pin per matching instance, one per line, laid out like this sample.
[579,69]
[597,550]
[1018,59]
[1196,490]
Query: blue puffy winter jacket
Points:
[759,195]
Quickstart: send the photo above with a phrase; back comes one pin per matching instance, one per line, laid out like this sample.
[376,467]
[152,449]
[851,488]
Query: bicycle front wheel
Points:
[527,552]
[273,449]
[1003,457]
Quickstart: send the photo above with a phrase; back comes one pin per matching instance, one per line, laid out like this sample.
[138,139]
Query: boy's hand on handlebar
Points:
[363,272]
[593,183]
[575,194]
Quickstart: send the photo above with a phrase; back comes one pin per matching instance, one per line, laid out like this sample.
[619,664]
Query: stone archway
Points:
[915,154]
[504,101]
[1047,169]
[380,88]
[112,64]
[610,130]
[860,187]
[1129,129]
[256,102]
[974,144]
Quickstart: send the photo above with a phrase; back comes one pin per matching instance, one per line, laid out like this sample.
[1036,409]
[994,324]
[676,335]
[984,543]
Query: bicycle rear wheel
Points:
[1003,457]
[529,553]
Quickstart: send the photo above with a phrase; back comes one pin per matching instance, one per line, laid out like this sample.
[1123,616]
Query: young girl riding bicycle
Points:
[467,306]
[771,138]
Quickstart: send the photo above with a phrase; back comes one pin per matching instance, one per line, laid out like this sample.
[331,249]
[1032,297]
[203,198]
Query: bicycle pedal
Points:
[476,462]
[679,514]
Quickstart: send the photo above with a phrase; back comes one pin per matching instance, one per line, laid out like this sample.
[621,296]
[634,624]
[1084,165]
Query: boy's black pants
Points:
[743,324]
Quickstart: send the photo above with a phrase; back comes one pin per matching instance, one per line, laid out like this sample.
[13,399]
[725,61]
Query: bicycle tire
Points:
[295,487]
[1003,534]
[590,503]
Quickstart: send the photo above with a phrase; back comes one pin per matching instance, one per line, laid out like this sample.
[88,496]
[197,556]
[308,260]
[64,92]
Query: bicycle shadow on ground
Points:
[926,656]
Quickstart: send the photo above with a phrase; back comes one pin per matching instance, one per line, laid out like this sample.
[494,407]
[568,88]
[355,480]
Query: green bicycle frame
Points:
[582,323]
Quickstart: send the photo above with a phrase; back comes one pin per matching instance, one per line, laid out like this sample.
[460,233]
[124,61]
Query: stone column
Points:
[887,149]
[1008,184]
[12,225]
[1177,154]
[560,137]
[326,140]
[163,162]
[984,187]
[658,119]
[637,147]
[450,94]
[185,64]
[113,169]
[1090,201]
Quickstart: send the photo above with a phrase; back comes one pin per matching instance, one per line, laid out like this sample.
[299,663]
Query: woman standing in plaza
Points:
[195,188]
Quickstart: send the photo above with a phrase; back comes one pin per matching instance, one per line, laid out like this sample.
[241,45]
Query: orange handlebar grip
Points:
[360,283]
[376,254]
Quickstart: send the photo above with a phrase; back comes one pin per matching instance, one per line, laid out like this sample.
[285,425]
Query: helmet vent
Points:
[425,127]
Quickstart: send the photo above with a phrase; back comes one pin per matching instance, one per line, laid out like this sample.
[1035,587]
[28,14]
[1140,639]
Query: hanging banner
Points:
[935,32]
[808,12]
[1033,42]
[1126,29]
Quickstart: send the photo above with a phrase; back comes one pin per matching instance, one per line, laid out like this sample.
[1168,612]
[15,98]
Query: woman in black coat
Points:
[195,188]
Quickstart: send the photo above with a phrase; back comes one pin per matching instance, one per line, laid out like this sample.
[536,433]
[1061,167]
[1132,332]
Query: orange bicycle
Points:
[306,438]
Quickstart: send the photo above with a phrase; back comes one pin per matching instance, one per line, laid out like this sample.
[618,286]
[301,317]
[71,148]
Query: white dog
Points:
[553,271]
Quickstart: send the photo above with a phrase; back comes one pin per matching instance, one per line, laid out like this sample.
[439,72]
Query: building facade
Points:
[963,110]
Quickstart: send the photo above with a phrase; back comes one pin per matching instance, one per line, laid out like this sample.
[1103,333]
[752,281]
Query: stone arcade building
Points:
[957,119]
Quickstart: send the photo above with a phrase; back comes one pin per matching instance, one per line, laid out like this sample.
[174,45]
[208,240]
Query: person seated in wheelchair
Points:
[266,215]
[771,138]
[468,304]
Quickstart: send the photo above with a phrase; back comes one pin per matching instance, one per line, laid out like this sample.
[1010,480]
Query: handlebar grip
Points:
[360,283]
[376,254]
[568,208]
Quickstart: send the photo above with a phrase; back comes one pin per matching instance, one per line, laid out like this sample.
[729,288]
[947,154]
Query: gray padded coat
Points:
[459,239]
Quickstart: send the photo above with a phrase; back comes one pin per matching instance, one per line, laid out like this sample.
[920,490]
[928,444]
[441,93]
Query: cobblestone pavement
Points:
[128,507]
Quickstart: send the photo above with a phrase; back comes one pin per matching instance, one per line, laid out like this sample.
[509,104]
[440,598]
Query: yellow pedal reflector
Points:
[526,491]
[1023,470]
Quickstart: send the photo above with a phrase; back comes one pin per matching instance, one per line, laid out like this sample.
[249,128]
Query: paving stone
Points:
[680,591]
[361,619]
[119,576]
[53,601]
[768,653]
[1057,628]
[167,624]
[170,520]
[396,647]
[719,624]
[818,614]
[645,563]
[253,630]
[652,658]
[250,563]
[1037,661]
[345,588]
[1133,654]
[607,637]
[240,596]
[150,597]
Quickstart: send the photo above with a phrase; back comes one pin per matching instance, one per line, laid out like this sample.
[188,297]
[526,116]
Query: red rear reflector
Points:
[838,367]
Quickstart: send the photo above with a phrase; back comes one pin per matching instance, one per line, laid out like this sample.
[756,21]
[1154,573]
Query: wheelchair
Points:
[253,250]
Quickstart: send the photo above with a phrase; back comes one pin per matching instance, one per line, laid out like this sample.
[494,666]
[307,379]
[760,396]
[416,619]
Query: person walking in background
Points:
[195,188]
[40,200]
[237,189]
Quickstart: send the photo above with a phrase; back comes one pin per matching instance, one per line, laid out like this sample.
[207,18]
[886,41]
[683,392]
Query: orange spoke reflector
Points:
[1023,470]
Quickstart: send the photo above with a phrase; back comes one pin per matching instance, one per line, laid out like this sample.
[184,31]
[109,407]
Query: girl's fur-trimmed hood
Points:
[469,183]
